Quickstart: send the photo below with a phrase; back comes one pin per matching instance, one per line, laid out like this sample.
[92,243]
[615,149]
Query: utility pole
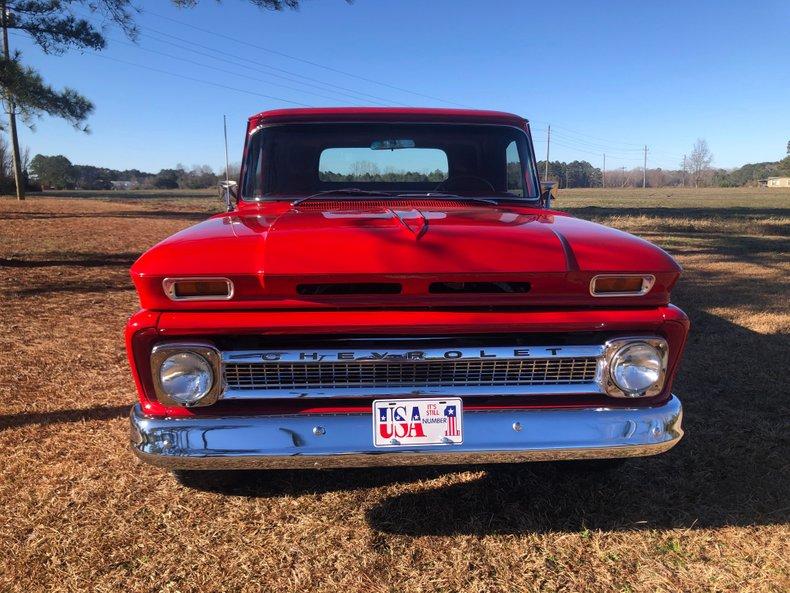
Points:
[548,145]
[227,165]
[644,171]
[11,110]
[684,170]
[603,180]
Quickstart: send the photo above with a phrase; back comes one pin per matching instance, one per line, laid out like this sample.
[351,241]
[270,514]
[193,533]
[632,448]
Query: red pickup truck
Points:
[391,286]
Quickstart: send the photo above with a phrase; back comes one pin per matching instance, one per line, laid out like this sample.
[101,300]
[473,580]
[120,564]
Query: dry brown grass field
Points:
[79,513]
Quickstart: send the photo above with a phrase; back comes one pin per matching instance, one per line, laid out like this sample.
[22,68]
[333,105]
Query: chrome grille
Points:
[407,374]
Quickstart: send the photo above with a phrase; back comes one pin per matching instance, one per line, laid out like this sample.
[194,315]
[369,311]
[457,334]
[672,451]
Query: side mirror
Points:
[227,190]
[548,193]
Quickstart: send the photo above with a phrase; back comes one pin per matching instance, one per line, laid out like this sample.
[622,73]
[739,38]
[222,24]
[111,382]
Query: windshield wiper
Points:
[438,194]
[350,191]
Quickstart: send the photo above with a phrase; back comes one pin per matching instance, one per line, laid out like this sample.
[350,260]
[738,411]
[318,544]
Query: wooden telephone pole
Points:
[11,110]
[644,171]
[548,145]
[603,178]
[684,170]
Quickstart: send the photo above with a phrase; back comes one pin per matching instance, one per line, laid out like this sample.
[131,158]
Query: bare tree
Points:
[362,168]
[656,177]
[7,164]
[5,161]
[699,161]
[234,171]
[25,159]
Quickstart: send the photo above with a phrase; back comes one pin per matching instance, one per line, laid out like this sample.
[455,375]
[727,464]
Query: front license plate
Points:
[410,422]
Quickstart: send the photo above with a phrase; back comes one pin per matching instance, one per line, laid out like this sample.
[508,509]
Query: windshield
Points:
[293,161]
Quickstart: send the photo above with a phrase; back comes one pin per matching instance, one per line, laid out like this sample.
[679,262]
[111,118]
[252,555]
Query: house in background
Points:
[123,185]
[775,182]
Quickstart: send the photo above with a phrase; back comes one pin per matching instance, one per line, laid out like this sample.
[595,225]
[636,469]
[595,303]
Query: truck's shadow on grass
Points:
[8,421]
[730,469]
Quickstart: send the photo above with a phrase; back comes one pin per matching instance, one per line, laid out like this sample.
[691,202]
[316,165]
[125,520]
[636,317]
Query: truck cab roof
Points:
[385,114]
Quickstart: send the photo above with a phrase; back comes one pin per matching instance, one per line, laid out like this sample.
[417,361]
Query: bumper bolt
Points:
[319,431]
[517,426]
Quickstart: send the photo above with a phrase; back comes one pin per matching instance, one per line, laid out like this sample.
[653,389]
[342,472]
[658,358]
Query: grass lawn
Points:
[80,513]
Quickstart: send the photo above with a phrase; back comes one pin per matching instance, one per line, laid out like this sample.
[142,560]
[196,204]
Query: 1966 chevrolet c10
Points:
[390,286]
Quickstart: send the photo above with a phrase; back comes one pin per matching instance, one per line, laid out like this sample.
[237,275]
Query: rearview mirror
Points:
[392,144]
[548,193]
[227,190]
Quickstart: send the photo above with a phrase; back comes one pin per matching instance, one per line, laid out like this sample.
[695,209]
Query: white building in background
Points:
[775,182]
[123,184]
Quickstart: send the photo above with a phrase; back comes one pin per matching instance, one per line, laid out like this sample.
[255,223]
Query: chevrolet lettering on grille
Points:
[308,356]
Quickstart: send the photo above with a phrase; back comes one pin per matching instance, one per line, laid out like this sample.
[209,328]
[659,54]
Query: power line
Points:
[224,70]
[594,148]
[304,61]
[216,84]
[564,144]
[183,76]
[591,148]
[596,144]
[609,148]
[257,65]
[577,133]
[631,158]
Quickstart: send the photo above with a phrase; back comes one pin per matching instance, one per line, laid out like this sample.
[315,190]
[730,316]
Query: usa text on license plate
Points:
[410,422]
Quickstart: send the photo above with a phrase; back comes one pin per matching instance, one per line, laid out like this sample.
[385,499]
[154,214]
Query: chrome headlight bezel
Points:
[161,352]
[615,348]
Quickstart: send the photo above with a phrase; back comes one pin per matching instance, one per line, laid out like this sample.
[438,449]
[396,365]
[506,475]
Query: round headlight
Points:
[186,377]
[636,367]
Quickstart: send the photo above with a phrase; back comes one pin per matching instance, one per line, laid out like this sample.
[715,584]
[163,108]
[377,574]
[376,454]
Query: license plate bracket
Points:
[417,422]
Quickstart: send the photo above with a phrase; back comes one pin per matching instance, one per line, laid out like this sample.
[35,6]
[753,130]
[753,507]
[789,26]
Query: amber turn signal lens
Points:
[198,288]
[189,288]
[621,285]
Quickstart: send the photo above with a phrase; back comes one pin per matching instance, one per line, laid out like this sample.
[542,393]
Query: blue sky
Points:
[609,76]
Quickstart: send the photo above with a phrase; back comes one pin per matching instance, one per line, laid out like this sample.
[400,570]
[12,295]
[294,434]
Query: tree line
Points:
[58,172]
[368,172]
[696,171]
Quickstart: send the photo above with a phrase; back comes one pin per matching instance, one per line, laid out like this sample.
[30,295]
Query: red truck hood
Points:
[269,250]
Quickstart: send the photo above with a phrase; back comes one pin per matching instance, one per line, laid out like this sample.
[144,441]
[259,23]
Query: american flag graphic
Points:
[452,422]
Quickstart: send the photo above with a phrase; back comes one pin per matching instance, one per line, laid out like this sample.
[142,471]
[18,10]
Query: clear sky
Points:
[609,76]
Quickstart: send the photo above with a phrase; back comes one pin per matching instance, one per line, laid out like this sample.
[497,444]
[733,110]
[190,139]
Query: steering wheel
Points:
[465,183]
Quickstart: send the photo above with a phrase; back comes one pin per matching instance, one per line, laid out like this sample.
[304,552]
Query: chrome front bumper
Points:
[302,441]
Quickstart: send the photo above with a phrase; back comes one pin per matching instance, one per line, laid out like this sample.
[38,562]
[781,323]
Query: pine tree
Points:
[54,28]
